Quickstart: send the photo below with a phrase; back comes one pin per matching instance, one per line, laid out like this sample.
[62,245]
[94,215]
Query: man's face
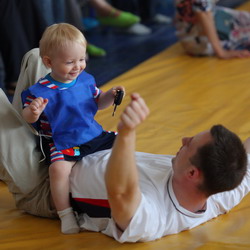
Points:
[181,161]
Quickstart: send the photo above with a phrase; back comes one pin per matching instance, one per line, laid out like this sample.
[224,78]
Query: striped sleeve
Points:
[97,93]
[28,100]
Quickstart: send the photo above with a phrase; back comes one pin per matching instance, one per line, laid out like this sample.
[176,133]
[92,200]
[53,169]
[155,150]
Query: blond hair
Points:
[57,36]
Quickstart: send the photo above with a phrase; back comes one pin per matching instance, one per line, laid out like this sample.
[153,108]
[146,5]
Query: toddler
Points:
[62,106]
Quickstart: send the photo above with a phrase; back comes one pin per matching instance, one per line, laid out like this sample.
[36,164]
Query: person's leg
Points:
[21,163]
[130,6]
[155,11]
[13,42]
[108,15]
[59,172]
[146,8]
[73,16]
[20,169]
[93,50]
[33,19]
[58,10]
[102,7]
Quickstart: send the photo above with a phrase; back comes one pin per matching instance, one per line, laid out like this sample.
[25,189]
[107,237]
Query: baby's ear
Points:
[46,61]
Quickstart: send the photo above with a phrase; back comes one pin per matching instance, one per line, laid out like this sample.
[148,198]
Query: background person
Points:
[205,29]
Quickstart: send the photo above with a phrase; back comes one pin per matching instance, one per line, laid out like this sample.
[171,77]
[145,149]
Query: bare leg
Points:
[103,8]
[59,172]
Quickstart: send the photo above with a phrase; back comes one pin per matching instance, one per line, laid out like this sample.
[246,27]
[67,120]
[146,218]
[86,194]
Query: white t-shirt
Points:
[159,212]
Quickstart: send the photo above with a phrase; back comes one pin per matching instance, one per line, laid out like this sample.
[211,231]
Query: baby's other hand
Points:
[38,105]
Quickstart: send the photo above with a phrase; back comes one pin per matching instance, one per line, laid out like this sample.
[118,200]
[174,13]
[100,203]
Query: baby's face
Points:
[68,63]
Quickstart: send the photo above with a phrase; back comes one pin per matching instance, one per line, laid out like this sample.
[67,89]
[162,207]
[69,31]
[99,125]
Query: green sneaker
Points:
[92,50]
[122,20]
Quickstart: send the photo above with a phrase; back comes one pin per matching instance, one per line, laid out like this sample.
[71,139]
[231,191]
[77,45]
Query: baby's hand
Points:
[114,90]
[38,105]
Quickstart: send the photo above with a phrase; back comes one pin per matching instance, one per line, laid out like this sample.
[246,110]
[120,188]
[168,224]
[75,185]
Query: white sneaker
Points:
[162,19]
[138,29]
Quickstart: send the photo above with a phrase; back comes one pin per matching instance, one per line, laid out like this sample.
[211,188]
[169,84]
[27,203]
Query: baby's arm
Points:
[205,18]
[32,112]
[106,99]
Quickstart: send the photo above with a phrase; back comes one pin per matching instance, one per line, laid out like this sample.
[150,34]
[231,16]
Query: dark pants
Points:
[22,23]
[13,39]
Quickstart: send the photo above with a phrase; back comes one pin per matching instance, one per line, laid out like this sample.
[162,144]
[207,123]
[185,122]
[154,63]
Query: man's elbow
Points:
[124,201]
[123,207]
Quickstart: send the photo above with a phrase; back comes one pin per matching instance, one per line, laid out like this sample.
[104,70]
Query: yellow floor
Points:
[185,95]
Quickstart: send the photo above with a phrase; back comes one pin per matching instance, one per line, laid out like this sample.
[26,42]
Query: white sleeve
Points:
[146,225]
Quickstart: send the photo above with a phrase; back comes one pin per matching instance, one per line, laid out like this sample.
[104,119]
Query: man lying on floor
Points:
[126,195]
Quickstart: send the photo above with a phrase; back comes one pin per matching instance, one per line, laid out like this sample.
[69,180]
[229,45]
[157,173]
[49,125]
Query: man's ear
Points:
[194,173]
[46,61]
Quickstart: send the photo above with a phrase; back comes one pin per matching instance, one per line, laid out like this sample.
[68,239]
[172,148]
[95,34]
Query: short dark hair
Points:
[223,162]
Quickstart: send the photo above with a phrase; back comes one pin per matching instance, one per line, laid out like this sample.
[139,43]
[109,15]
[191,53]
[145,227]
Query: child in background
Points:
[62,106]
[205,29]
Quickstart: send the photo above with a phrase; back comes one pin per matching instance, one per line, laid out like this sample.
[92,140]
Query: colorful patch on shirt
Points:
[75,151]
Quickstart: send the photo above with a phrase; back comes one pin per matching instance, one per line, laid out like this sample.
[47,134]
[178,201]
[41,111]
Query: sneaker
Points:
[122,19]
[138,29]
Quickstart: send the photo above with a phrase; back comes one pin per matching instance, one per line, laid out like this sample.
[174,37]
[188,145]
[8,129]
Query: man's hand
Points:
[134,114]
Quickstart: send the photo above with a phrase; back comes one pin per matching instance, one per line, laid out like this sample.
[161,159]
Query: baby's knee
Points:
[60,168]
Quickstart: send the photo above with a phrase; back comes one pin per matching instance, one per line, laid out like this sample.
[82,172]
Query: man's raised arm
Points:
[121,175]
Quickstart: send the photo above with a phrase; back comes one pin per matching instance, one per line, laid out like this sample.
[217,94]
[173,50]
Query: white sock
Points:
[68,221]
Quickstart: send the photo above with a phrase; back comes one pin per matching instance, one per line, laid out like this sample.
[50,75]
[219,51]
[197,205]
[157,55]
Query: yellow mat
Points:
[185,95]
